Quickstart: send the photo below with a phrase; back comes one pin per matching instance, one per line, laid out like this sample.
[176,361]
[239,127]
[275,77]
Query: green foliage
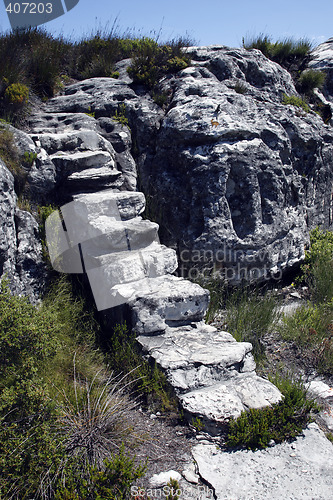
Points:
[173,490]
[124,355]
[311,325]
[112,482]
[17,94]
[285,420]
[120,115]
[250,316]
[29,158]
[295,101]
[48,417]
[284,52]
[11,157]
[309,80]
[197,424]
[240,88]
[151,61]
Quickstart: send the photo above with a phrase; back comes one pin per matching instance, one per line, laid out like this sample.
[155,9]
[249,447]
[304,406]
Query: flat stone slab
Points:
[298,470]
[202,344]
[160,302]
[129,204]
[81,160]
[227,399]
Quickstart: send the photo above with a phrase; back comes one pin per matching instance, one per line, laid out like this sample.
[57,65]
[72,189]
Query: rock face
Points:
[20,247]
[238,177]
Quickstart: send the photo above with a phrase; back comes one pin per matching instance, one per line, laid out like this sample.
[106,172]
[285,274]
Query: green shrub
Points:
[11,157]
[255,428]
[250,316]
[284,52]
[120,115]
[295,101]
[123,353]
[28,159]
[112,482]
[309,80]
[17,94]
[317,270]
[151,61]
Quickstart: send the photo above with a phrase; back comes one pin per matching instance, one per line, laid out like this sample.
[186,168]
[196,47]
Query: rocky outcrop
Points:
[20,248]
[234,177]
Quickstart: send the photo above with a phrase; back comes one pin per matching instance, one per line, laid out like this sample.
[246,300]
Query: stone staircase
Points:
[213,375]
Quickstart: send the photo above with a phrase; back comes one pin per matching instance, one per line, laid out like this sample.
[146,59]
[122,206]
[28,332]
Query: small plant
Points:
[197,424]
[250,316]
[295,101]
[120,115]
[285,52]
[309,80]
[90,112]
[28,159]
[255,428]
[97,421]
[17,94]
[172,490]
[124,355]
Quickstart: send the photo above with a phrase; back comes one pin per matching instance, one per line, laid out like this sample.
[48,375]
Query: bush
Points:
[285,52]
[123,353]
[295,101]
[255,428]
[317,270]
[17,94]
[151,61]
[309,80]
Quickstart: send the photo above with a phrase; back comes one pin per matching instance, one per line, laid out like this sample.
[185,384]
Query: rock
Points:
[270,473]
[322,60]
[20,248]
[168,300]
[195,356]
[162,479]
[190,474]
[318,388]
[8,241]
[215,405]
[244,192]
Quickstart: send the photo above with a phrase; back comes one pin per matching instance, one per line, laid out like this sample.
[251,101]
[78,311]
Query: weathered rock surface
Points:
[20,247]
[247,174]
[302,469]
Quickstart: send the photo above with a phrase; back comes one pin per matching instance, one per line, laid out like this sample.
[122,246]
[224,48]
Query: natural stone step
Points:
[81,160]
[41,123]
[78,140]
[123,267]
[158,302]
[104,236]
[216,404]
[198,355]
[93,179]
[122,204]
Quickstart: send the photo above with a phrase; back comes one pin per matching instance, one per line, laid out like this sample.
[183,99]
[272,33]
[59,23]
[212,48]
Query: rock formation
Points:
[234,177]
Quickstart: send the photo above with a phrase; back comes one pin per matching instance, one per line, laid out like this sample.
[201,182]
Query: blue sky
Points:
[207,22]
